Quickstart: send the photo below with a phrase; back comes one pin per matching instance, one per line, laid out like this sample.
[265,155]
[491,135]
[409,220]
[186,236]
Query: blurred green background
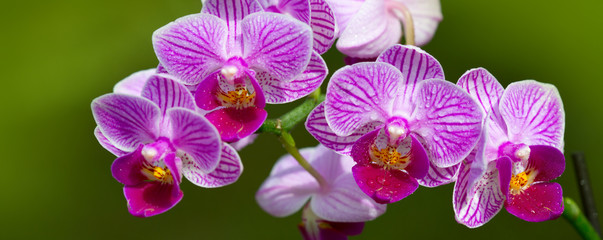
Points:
[59,55]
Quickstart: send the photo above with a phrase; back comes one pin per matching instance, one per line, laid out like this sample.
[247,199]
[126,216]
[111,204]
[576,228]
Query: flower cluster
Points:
[385,127]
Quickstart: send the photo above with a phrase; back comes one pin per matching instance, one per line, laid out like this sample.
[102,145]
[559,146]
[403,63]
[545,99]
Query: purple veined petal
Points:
[276,44]
[448,120]
[228,171]
[426,15]
[549,162]
[134,83]
[151,198]
[126,121]
[477,160]
[534,114]
[167,93]
[298,9]
[437,176]
[235,124]
[195,138]
[416,65]
[127,168]
[484,88]
[288,187]
[191,47]
[475,204]
[232,12]
[539,202]
[487,91]
[310,79]
[244,142]
[317,126]
[359,94]
[107,144]
[322,21]
[370,31]
[384,186]
[344,11]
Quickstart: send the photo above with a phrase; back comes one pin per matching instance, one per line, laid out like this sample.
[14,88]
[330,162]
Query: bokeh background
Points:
[56,56]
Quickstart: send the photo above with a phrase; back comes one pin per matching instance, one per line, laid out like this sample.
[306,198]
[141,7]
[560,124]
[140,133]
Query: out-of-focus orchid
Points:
[316,13]
[241,58]
[158,137]
[367,27]
[519,153]
[399,120]
[337,208]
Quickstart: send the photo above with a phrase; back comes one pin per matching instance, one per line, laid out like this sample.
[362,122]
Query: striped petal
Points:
[195,138]
[228,171]
[167,93]
[534,114]
[125,120]
[360,94]
[322,21]
[191,47]
[310,79]
[317,126]
[276,44]
[474,205]
[107,144]
[448,120]
[437,176]
[416,65]
[232,12]
[486,91]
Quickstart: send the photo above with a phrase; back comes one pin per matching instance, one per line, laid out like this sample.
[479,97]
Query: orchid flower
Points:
[519,153]
[399,120]
[316,13]
[158,137]
[240,58]
[336,208]
[367,27]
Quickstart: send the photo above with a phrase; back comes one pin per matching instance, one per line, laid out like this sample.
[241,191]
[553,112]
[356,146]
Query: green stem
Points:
[293,117]
[289,144]
[573,214]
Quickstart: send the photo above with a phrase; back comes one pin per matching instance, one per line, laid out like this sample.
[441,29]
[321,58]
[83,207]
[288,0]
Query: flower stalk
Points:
[290,119]
[586,192]
[409,28]
[289,144]
[573,215]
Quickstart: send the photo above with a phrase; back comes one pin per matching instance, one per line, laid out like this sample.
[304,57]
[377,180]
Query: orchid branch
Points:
[573,215]
[293,117]
[289,144]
